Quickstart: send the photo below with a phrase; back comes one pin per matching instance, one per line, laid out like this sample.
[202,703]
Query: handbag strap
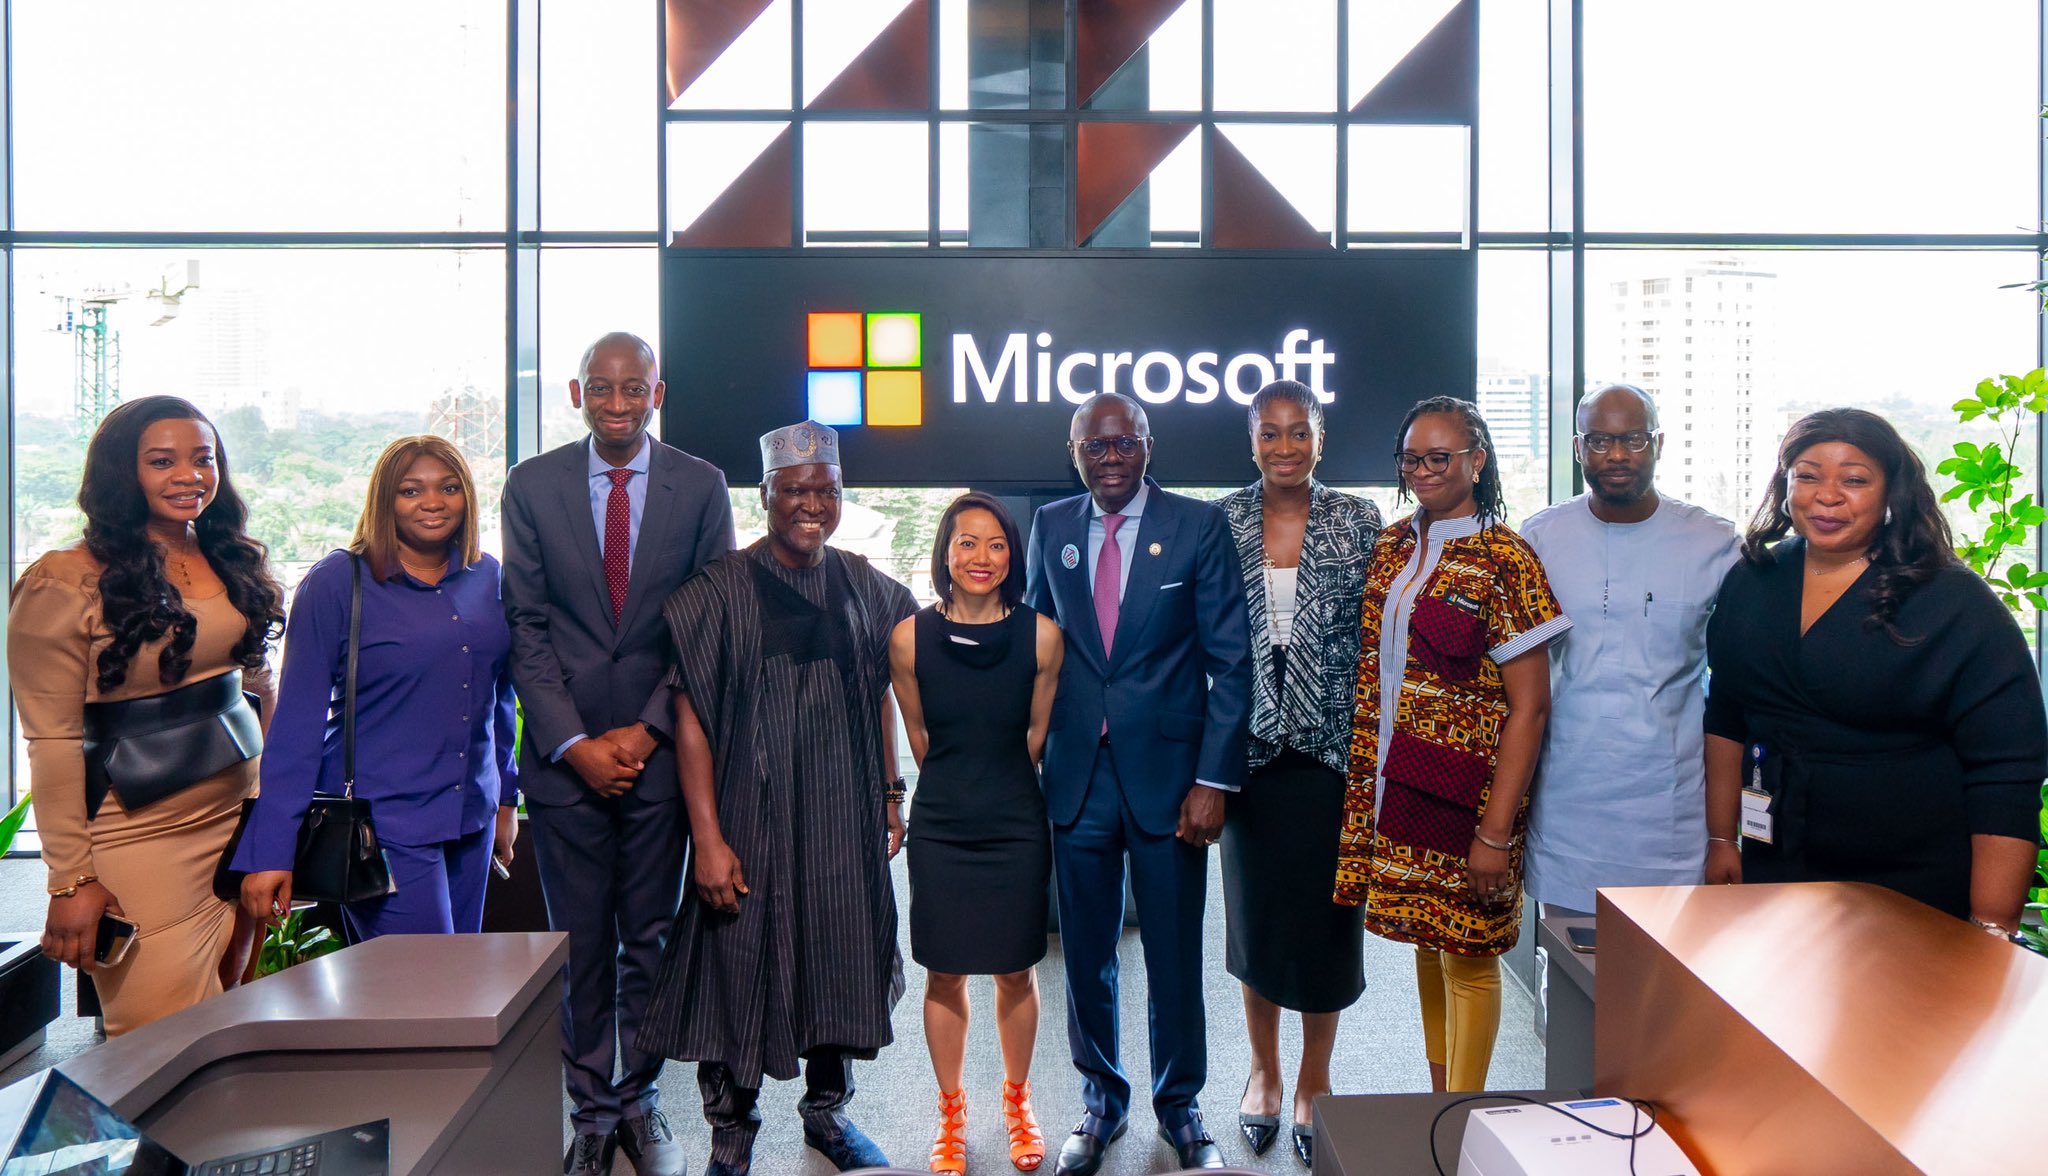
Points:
[348,688]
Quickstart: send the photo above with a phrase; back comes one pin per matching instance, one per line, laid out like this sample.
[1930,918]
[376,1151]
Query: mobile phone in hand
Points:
[1581,938]
[111,944]
[498,867]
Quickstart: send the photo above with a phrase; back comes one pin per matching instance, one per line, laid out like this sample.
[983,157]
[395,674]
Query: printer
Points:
[1533,1139]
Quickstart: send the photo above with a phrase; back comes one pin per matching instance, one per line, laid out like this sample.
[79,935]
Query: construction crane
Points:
[97,345]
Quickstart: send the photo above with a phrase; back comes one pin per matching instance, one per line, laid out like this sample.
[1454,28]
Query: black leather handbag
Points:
[338,858]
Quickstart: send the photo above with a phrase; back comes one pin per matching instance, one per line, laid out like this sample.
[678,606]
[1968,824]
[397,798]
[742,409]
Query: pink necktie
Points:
[1109,574]
[618,540]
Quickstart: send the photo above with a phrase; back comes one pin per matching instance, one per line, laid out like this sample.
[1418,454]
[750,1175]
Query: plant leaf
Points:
[12,822]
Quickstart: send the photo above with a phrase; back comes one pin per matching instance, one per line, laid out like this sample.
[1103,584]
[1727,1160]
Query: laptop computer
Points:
[50,1126]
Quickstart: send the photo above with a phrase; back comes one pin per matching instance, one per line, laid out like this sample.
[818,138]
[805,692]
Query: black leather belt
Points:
[144,749]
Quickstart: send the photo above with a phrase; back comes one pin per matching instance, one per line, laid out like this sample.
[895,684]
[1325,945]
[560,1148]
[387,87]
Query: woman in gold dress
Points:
[137,657]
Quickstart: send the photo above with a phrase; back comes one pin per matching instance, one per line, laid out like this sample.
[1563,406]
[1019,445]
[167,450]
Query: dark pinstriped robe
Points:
[786,671]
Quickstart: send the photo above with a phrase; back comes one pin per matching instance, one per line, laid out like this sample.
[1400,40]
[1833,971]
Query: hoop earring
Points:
[1887,516]
[1784,512]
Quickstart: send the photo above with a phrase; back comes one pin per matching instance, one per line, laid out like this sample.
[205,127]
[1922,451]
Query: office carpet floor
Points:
[1379,1050]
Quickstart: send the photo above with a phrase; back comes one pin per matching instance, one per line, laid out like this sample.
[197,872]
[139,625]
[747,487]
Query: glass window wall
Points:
[1847,191]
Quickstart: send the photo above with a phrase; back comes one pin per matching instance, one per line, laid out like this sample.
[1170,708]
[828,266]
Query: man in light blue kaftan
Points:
[1620,796]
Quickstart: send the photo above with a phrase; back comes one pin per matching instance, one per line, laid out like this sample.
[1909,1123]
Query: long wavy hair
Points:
[138,603]
[376,537]
[1486,495]
[1907,550]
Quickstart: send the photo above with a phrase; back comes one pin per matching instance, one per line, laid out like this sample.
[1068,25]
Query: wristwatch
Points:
[1998,930]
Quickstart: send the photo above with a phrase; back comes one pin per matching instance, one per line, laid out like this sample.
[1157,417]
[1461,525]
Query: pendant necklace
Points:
[1859,560]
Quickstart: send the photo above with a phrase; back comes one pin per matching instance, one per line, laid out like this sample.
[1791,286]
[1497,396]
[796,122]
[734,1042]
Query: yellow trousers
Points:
[1460,1013]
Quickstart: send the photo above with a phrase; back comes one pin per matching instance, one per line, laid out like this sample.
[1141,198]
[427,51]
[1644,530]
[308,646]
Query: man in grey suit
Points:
[597,534]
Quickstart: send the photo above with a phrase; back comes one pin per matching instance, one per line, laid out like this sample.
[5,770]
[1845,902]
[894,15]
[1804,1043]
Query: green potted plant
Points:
[1989,476]
[292,942]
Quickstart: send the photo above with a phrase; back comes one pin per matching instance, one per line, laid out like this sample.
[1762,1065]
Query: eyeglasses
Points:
[1097,447]
[1634,442]
[1438,460]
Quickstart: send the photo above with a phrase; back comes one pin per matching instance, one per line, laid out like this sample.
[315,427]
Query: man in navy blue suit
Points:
[1147,734]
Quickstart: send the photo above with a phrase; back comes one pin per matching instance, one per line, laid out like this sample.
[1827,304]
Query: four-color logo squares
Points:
[865,369]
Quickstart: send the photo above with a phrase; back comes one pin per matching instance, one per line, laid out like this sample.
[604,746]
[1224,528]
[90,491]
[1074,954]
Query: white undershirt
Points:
[1281,584]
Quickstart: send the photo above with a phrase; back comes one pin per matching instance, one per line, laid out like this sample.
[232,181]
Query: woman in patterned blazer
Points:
[1303,549]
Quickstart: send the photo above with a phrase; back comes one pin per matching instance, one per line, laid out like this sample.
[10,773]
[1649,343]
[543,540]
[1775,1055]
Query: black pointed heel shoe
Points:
[1304,1135]
[1259,1131]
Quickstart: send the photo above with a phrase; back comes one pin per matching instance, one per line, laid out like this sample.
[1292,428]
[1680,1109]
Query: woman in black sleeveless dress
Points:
[974,678]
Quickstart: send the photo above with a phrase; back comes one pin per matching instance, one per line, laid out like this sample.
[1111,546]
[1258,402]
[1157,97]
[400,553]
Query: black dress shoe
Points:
[1192,1144]
[590,1154]
[650,1146]
[1305,1144]
[1081,1154]
[848,1150]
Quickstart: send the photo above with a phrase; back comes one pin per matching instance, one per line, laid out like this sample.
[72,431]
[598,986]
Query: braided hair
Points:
[1906,551]
[137,602]
[1486,495]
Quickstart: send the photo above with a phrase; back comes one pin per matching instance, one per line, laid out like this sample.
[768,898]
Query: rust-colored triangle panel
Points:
[1111,160]
[1249,212]
[1108,33]
[755,211]
[1438,79]
[893,73]
[698,31]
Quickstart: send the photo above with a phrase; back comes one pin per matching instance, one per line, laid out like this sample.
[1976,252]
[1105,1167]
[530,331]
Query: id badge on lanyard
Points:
[1757,822]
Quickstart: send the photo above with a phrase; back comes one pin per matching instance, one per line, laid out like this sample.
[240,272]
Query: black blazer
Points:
[578,673]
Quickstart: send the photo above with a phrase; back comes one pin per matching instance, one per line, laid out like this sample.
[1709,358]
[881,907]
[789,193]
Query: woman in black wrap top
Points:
[1873,687]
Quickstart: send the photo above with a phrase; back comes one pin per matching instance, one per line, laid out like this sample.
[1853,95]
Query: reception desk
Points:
[454,1038]
[1822,1029]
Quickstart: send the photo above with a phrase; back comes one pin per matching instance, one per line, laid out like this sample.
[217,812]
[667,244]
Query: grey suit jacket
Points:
[577,672]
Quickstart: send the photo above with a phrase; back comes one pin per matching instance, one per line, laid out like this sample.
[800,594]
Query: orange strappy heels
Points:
[949,1150]
[1027,1145]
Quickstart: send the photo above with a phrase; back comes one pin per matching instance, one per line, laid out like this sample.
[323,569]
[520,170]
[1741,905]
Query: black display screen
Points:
[947,369]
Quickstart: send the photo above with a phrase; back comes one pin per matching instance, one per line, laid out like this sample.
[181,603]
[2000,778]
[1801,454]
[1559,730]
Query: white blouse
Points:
[1280,593]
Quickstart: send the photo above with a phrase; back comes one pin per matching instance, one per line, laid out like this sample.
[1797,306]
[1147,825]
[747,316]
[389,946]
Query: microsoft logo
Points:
[865,369]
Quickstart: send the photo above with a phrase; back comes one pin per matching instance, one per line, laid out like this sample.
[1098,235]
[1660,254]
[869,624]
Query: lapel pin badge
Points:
[1070,557]
[1154,549]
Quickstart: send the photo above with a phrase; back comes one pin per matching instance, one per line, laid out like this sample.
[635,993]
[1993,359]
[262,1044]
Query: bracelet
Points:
[1490,843]
[71,890]
[1725,840]
[1990,928]
[895,792]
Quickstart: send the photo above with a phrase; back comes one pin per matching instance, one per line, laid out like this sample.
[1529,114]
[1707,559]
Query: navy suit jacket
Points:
[1176,687]
[576,670]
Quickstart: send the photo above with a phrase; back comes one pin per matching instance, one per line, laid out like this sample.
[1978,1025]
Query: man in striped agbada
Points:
[785,947]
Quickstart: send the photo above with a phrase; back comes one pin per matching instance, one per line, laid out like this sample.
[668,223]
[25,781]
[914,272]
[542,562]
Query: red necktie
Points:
[618,540]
